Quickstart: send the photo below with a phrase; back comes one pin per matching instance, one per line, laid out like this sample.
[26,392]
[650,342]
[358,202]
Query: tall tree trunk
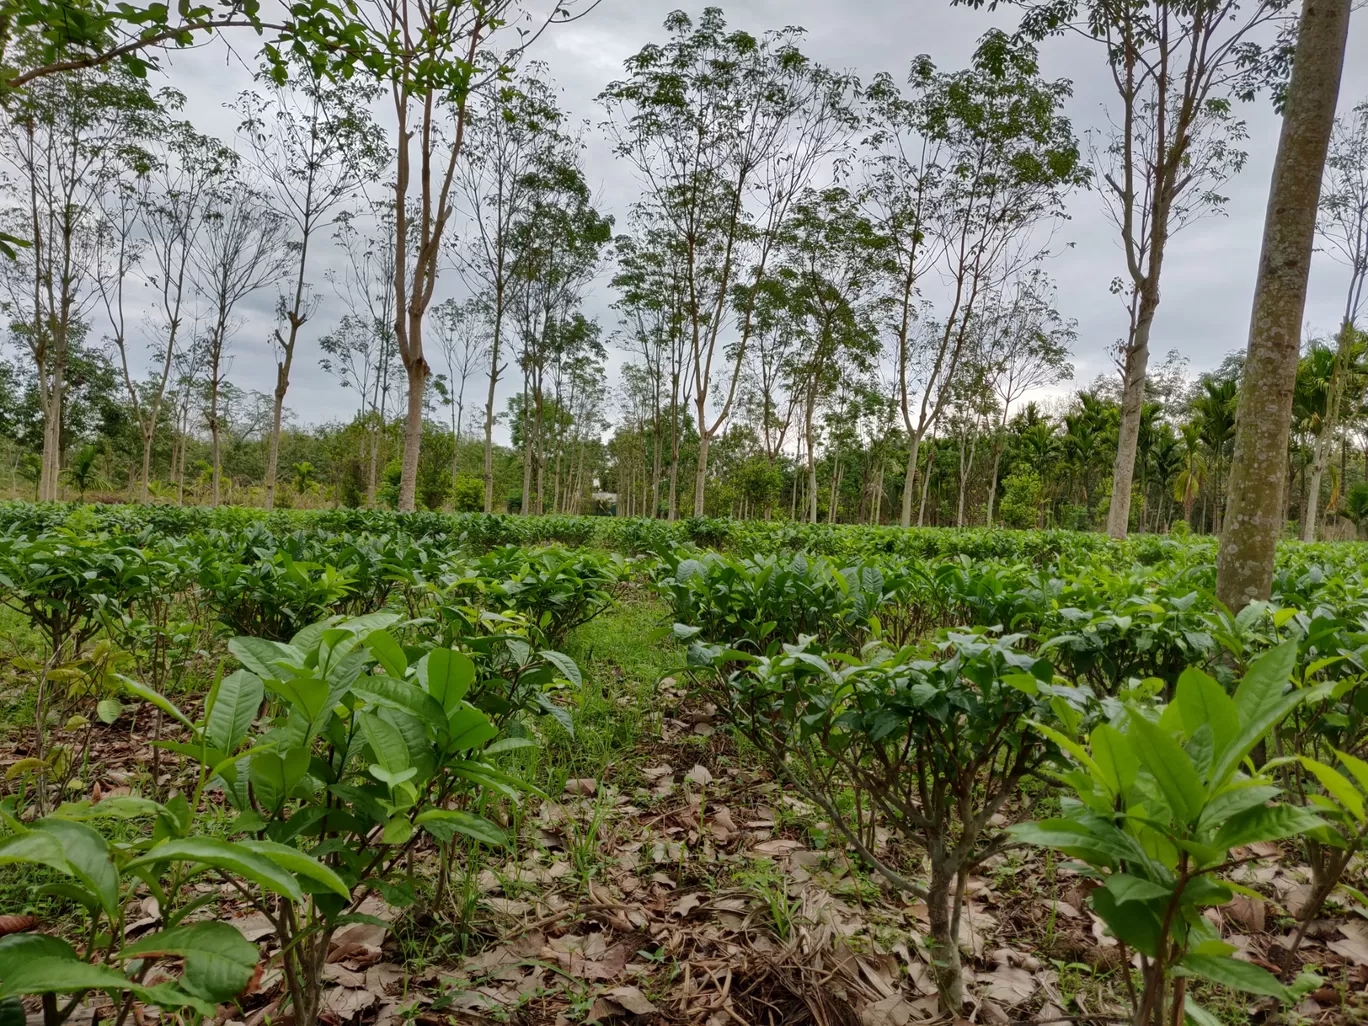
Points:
[910,479]
[926,482]
[417,373]
[811,460]
[1254,517]
[277,415]
[993,480]
[701,477]
[494,371]
[1132,404]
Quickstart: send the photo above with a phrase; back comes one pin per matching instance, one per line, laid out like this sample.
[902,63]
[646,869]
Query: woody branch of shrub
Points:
[934,748]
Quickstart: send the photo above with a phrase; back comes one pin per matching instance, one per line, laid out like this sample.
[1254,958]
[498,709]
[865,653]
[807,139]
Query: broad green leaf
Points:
[404,696]
[87,853]
[1265,823]
[388,652]
[386,742]
[568,668]
[1115,759]
[261,654]
[1264,683]
[1251,733]
[300,864]
[444,824]
[230,858]
[1336,785]
[1233,973]
[108,710]
[38,849]
[1171,768]
[49,974]
[20,947]
[307,694]
[235,707]
[140,690]
[1134,922]
[219,961]
[469,728]
[1356,766]
[446,675]
[1201,700]
[1125,887]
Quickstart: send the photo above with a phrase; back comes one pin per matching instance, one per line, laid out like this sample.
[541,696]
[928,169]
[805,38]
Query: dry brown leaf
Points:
[685,905]
[1007,985]
[631,999]
[16,924]
[778,846]
[254,927]
[1354,946]
[699,775]
[581,786]
[1248,912]
[342,1004]
[894,1010]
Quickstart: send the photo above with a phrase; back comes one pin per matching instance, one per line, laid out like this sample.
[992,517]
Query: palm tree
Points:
[1163,464]
[83,469]
[303,476]
[1215,409]
[1192,470]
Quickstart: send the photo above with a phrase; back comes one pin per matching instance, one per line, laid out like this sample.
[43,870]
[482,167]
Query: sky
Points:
[1208,279]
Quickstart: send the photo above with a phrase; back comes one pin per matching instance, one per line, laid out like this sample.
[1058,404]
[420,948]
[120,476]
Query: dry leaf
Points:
[778,846]
[894,1010]
[581,785]
[631,999]
[699,775]
[16,924]
[254,927]
[1007,985]
[1248,912]
[1355,944]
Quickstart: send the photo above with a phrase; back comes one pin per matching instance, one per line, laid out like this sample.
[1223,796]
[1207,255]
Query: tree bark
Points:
[1254,517]
[417,373]
[1327,434]
[1132,404]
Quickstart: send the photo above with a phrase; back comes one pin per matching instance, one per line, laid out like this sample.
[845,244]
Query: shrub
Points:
[467,494]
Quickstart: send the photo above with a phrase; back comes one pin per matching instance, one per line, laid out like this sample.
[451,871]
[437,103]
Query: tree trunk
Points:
[417,373]
[910,479]
[701,478]
[926,482]
[277,414]
[811,462]
[1253,517]
[1132,404]
[945,966]
[489,420]
[993,481]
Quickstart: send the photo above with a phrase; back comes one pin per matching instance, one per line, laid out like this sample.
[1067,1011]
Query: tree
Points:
[1343,228]
[64,139]
[514,137]
[314,146]
[460,336]
[1169,147]
[1028,347]
[726,129]
[1258,474]
[241,249]
[964,173]
[362,351]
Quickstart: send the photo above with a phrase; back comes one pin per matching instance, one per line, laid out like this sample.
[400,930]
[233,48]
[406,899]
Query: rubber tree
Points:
[1255,510]
[314,146]
[725,130]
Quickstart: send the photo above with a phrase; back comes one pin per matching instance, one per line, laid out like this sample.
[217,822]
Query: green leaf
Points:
[231,858]
[1197,1015]
[388,652]
[49,974]
[261,654]
[1134,922]
[35,848]
[219,961]
[469,728]
[235,707]
[1233,973]
[1336,785]
[444,824]
[404,696]
[1202,700]
[140,690]
[1171,768]
[1356,766]
[1265,823]
[108,710]
[1125,887]
[569,669]
[446,675]
[307,694]
[1264,682]
[300,864]
[1116,760]
[1251,734]
[386,742]
[87,853]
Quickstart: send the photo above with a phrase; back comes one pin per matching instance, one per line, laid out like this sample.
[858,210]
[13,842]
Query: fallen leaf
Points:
[16,924]
[699,775]
[685,905]
[894,1010]
[581,785]
[1248,912]
[779,846]
[1355,944]
[1009,985]
[254,927]
[631,999]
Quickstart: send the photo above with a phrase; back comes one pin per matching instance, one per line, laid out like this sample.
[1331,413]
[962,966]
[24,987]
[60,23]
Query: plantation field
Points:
[362,767]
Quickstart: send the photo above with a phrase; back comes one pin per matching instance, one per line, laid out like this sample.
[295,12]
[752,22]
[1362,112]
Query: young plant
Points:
[935,748]
[368,748]
[215,962]
[1162,795]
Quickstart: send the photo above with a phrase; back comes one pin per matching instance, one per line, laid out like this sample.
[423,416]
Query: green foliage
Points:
[1162,794]
[467,494]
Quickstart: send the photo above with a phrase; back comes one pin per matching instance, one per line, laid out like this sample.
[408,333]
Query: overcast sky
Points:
[1208,275]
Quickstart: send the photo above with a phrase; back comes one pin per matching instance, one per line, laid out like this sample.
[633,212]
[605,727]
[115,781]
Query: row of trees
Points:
[802,244]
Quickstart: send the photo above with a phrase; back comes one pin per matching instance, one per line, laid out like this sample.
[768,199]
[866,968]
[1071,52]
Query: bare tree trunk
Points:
[277,414]
[926,482]
[811,461]
[701,478]
[417,373]
[1132,403]
[1254,517]
[494,371]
